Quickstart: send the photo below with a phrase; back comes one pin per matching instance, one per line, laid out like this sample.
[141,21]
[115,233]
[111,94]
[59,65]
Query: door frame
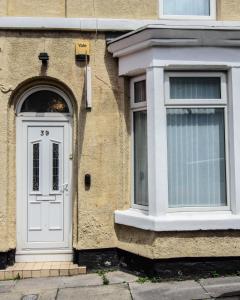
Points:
[61,254]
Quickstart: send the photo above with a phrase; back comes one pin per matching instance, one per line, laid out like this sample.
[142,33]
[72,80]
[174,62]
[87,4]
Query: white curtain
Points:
[140,158]
[187,7]
[196,157]
[195,88]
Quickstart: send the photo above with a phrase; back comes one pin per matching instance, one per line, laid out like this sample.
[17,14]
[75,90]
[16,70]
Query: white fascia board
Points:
[81,24]
[105,24]
[187,221]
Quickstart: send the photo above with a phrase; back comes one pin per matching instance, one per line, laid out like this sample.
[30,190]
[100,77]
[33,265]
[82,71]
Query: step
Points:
[41,269]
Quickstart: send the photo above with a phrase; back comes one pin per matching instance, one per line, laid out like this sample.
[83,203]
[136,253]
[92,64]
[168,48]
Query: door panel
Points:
[46,201]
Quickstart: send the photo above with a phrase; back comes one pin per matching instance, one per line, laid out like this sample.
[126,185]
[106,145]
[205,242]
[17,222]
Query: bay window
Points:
[182,128]
[188,8]
[196,127]
[185,126]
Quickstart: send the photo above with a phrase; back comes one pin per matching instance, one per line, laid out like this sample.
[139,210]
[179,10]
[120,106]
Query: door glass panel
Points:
[36,167]
[55,170]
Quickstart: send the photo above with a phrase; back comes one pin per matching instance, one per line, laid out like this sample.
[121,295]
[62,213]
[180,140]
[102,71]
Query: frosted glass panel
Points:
[140,158]
[196,157]
[187,7]
[195,87]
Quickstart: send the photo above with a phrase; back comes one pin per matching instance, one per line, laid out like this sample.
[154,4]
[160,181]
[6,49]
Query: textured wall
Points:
[99,132]
[44,8]
[79,8]
[229,10]
[101,148]
[178,244]
[147,9]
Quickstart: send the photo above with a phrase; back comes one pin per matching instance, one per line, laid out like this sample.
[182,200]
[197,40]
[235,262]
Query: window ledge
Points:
[179,221]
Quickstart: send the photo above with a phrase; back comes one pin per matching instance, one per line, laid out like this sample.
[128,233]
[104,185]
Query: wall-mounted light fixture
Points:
[44,57]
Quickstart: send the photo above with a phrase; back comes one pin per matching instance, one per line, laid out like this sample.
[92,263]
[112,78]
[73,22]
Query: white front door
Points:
[45,216]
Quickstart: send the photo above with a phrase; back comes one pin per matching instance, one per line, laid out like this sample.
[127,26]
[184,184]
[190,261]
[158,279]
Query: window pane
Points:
[187,7]
[45,101]
[196,157]
[195,87]
[140,91]
[35,167]
[140,158]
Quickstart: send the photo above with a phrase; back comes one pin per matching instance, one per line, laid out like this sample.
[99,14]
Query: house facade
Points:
[119,132]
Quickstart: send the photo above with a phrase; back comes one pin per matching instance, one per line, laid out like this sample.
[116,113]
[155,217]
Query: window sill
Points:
[179,221]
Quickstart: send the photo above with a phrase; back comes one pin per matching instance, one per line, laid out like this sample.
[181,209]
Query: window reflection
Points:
[44,102]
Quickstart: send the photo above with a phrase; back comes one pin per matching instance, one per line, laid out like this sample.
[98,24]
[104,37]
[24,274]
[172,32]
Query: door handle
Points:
[65,187]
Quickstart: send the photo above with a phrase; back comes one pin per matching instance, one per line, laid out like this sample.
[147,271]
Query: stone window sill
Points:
[178,221]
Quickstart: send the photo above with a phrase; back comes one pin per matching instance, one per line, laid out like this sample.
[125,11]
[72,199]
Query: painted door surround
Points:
[44,169]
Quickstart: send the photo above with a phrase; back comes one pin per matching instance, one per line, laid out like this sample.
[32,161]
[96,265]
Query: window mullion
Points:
[157,143]
[234,141]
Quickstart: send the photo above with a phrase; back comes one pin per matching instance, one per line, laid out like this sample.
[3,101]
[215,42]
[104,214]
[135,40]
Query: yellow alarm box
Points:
[82,50]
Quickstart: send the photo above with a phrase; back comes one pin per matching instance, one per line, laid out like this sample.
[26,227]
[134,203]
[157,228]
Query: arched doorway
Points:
[44,168]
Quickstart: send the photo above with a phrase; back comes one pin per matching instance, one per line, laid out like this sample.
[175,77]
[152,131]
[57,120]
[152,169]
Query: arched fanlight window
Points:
[45,101]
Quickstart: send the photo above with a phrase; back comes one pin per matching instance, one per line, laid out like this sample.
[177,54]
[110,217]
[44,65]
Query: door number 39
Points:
[46,132]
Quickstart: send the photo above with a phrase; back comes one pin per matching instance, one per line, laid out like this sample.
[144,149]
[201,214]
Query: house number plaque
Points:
[44,132]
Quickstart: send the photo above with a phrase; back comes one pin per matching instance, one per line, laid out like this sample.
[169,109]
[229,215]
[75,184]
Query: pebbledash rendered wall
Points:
[101,137]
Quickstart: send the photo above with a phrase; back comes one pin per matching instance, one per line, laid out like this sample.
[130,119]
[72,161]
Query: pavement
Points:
[118,286]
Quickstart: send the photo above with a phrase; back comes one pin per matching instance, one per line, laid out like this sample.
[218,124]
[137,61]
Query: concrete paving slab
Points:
[187,290]
[7,286]
[120,277]
[48,295]
[11,296]
[82,280]
[222,287]
[106,292]
[38,284]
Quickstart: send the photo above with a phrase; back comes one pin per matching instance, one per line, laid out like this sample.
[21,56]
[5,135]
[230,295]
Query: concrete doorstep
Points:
[118,286]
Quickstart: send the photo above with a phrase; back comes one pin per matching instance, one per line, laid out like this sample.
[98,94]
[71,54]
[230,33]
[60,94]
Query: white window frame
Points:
[198,104]
[212,15]
[135,107]
[182,103]
[159,217]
